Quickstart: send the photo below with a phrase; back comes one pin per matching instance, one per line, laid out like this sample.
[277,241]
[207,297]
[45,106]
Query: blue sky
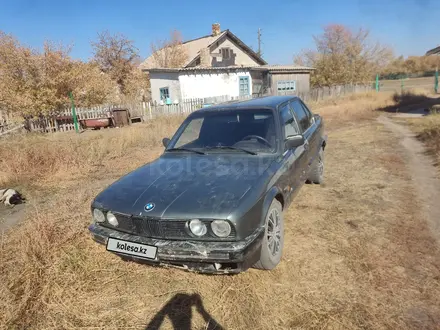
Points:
[411,27]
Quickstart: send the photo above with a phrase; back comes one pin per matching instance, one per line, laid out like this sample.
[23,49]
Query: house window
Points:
[287,85]
[164,93]
[226,53]
[243,86]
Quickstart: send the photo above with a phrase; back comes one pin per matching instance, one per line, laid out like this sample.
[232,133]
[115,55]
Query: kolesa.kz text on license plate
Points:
[131,248]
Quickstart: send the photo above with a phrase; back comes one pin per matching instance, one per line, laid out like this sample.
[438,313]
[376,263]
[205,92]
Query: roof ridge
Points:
[433,51]
[235,68]
[215,39]
[208,35]
[242,44]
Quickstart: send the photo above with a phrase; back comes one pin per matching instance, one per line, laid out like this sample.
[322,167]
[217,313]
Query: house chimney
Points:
[215,29]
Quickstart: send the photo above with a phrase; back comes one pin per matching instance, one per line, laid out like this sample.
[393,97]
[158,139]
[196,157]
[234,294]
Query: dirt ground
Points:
[423,173]
[10,216]
[359,253]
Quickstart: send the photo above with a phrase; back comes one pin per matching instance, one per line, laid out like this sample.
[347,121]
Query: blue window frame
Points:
[164,93]
[243,86]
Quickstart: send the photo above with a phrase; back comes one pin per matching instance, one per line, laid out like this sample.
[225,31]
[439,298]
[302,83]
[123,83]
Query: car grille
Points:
[146,227]
[155,228]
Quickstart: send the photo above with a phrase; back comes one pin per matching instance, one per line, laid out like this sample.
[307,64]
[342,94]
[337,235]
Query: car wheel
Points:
[317,172]
[272,245]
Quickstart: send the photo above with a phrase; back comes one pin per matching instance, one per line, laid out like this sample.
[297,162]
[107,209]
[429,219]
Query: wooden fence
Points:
[324,93]
[62,121]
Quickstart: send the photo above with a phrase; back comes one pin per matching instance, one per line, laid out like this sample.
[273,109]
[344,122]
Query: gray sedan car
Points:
[213,202]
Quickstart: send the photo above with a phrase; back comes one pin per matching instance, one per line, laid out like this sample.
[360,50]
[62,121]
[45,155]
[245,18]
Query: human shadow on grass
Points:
[408,102]
[179,310]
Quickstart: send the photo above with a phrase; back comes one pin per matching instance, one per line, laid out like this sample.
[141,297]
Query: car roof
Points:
[260,102]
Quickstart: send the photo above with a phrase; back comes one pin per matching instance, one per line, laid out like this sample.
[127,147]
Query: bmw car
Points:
[213,202]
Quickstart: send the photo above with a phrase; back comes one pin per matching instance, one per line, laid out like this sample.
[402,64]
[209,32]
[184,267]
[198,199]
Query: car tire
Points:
[271,254]
[317,172]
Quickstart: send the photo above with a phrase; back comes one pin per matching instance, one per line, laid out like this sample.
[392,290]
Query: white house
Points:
[220,64]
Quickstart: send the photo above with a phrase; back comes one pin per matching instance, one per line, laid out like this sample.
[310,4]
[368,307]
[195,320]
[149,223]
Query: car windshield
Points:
[248,131]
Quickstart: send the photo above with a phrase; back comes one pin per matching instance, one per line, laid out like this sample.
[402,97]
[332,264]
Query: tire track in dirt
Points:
[422,171]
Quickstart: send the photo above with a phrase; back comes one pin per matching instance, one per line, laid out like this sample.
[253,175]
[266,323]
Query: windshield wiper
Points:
[186,149]
[232,148]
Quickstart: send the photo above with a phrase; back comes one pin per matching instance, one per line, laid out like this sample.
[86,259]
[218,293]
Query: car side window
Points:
[288,121]
[309,113]
[191,133]
[301,115]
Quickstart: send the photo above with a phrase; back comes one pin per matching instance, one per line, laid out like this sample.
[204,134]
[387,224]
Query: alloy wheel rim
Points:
[274,232]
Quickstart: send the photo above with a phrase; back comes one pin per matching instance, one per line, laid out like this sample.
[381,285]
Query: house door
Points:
[244,86]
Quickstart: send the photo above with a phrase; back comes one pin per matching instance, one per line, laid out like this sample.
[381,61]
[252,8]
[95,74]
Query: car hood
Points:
[186,186]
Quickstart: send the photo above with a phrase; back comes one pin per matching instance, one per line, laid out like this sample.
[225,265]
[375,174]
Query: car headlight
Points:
[98,216]
[112,219]
[221,228]
[197,227]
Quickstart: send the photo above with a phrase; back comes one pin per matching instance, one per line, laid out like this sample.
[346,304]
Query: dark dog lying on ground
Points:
[10,197]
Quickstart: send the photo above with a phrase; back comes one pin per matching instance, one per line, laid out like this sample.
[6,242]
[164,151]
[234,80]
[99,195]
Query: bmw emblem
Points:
[148,207]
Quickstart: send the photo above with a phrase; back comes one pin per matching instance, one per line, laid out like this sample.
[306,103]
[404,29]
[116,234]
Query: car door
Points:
[308,129]
[293,159]
[315,142]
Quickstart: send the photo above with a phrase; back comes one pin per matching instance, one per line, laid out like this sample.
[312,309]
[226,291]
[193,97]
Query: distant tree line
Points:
[344,56]
[411,67]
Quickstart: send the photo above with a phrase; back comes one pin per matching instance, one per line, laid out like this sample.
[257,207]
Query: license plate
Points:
[131,248]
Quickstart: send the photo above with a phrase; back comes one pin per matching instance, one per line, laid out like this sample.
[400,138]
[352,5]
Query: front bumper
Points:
[199,256]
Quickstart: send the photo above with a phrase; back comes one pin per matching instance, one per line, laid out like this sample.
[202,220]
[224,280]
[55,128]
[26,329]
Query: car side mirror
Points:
[165,142]
[294,141]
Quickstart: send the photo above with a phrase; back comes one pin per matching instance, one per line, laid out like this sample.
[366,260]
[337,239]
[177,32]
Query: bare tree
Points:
[116,55]
[344,56]
[169,53]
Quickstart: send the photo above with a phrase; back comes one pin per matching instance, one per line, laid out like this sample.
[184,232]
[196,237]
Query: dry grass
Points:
[339,113]
[428,131]
[357,253]
[47,160]
[427,128]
